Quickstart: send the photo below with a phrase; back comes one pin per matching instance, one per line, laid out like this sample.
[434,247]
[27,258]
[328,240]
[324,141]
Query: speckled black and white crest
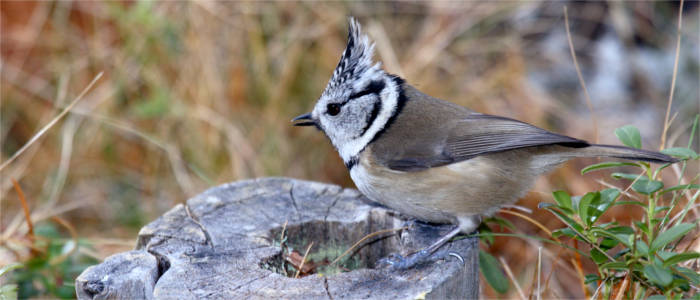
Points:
[359,100]
[356,60]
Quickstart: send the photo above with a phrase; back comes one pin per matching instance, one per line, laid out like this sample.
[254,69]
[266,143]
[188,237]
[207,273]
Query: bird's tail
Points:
[595,150]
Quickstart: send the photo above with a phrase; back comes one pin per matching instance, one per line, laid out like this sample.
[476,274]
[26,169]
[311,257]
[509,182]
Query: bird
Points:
[431,159]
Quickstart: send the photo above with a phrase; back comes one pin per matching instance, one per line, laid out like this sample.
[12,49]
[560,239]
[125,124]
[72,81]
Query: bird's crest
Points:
[356,59]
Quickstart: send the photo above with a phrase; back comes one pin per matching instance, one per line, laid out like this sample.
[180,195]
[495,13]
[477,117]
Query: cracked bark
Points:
[194,218]
[325,286]
[294,202]
[328,210]
[224,244]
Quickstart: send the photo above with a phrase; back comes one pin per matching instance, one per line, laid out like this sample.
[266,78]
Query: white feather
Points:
[389,98]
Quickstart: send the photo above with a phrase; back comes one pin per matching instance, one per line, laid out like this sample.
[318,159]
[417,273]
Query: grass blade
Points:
[670,235]
[606,165]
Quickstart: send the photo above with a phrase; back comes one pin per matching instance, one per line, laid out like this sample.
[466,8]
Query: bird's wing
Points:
[476,135]
[456,135]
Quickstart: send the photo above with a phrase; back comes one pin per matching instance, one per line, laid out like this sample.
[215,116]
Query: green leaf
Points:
[503,223]
[620,237]
[621,229]
[621,253]
[684,153]
[564,218]
[545,205]
[491,270]
[660,209]
[690,274]
[642,226]
[658,275]
[567,231]
[606,165]
[608,243]
[487,237]
[629,135]
[8,291]
[584,205]
[657,297]
[646,186]
[617,265]
[680,257]
[664,255]
[670,235]
[601,203]
[564,200]
[681,187]
[626,176]
[9,268]
[630,203]
[598,257]
[642,248]
[590,278]
[609,195]
[486,233]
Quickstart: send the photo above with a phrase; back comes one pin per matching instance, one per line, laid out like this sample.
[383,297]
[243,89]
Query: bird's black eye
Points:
[333,109]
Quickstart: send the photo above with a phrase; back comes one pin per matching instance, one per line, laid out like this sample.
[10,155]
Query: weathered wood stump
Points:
[227,243]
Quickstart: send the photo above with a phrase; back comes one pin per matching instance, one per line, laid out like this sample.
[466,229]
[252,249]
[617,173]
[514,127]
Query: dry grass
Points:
[196,94]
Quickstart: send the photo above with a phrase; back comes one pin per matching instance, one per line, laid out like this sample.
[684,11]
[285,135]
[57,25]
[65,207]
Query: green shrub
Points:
[644,257]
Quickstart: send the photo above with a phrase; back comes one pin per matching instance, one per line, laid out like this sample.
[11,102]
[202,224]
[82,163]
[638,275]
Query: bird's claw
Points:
[457,256]
[397,262]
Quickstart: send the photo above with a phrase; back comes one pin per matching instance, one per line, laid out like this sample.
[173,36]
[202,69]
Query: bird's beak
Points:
[306,116]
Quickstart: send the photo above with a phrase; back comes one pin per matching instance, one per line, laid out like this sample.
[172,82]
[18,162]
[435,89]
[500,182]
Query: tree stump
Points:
[228,242]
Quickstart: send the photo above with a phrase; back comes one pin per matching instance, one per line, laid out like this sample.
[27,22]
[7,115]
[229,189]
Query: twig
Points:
[284,228]
[303,260]
[42,215]
[69,130]
[597,290]
[50,124]
[364,239]
[687,207]
[623,288]
[580,76]
[578,266]
[25,206]
[74,235]
[531,220]
[545,229]
[177,163]
[519,207]
[512,278]
[539,272]
[624,193]
[673,78]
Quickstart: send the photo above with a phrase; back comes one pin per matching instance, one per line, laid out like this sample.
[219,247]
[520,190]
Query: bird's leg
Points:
[396,261]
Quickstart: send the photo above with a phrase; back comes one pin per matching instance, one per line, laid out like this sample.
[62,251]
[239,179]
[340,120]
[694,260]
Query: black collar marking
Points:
[373,116]
[400,103]
[353,161]
[374,87]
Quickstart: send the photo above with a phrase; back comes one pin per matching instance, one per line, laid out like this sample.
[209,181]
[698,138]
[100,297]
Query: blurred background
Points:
[196,94]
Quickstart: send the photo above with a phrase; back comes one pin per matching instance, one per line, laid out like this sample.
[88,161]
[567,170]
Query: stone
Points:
[246,240]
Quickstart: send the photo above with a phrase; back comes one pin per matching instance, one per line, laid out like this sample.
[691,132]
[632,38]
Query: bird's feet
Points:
[398,262]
